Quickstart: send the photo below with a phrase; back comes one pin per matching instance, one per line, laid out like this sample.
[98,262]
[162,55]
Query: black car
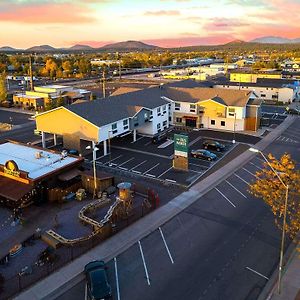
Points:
[210,144]
[205,154]
[98,287]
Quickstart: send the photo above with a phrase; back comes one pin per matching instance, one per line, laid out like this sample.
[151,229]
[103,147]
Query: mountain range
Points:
[137,45]
[275,40]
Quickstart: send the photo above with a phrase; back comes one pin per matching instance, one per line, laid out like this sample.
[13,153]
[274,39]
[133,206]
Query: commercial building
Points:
[143,111]
[251,77]
[268,90]
[43,95]
[30,174]
[214,108]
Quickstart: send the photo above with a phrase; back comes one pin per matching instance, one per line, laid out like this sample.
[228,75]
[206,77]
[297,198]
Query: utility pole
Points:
[103,83]
[30,73]
[119,58]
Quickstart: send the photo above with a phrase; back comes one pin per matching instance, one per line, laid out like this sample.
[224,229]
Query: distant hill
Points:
[41,48]
[234,42]
[130,45]
[81,47]
[7,49]
[275,40]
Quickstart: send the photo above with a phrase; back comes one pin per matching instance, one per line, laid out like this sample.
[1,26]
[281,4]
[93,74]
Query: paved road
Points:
[224,246]
[13,117]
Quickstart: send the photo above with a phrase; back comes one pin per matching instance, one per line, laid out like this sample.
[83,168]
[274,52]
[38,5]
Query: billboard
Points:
[181,145]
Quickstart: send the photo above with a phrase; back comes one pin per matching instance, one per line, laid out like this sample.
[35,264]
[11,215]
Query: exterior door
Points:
[191,123]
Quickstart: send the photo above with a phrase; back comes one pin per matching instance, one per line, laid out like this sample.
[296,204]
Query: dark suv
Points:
[96,279]
[214,145]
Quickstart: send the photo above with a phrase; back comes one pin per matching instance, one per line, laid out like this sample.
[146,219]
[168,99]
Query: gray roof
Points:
[114,108]
[222,96]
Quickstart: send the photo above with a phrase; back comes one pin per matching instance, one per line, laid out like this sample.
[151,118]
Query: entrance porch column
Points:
[105,147]
[134,135]
[43,140]
[55,139]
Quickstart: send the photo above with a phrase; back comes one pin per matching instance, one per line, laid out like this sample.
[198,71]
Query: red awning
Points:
[12,189]
[190,117]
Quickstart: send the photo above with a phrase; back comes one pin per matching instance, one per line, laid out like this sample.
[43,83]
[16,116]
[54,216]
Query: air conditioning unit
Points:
[38,154]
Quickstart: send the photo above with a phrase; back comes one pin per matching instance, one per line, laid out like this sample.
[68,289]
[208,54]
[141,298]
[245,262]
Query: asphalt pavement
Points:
[224,246]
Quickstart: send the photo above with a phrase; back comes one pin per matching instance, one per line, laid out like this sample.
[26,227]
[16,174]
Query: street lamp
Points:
[94,148]
[284,216]
[109,146]
[233,141]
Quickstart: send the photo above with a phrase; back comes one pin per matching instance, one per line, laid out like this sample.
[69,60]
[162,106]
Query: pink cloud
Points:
[162,13]
[46,13]
[190,41]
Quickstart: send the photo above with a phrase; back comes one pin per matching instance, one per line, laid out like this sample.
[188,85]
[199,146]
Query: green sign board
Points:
[181,145]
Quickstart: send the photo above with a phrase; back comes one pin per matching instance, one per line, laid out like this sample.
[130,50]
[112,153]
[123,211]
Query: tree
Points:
[3,90]
[272,191]
[60,100]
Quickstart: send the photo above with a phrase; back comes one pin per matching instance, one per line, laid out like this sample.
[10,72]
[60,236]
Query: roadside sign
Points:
[181,145]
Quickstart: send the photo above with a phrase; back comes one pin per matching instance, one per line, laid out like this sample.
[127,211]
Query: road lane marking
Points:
[236,189]
[145,267]
[259,274]
[117,279]
[125,162]
[167,248]
[249,172]
[225,197]
[138,165]
[256,166]
[151,168]
[241,178]
[165,172]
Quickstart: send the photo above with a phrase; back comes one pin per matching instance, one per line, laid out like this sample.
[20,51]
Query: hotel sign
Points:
[11,168]
[181,145]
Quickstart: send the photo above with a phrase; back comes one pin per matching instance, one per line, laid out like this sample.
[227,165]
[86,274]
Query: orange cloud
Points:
[46,13]
[162,13]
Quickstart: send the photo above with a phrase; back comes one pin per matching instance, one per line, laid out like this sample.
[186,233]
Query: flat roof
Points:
[28,96]
[54,86]
[25,158]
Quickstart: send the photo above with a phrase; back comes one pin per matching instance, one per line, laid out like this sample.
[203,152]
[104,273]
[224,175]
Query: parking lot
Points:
[221,229]
[272,115]
[143,158]
[14,118]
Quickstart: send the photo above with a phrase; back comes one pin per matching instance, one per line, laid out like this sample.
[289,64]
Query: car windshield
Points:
[206,152]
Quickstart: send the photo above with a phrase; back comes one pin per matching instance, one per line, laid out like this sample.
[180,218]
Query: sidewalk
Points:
[68,276]
[290,285]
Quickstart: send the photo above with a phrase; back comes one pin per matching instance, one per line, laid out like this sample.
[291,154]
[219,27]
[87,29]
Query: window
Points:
[114,128]
[177,106]
[263,95]
[212,122]
[135,122]
[178,120]
[274,96]
[192,108]
[158,126]
[222,123]
[231,112]
[125,122]
[164,123]
[145,115]
[164,109]
[151,115]
[158,111]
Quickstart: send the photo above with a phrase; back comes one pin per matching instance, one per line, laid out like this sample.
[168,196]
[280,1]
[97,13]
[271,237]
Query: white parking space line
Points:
[260,159]
[115,158]
[101,156]
[249,172]
[138,165]
[137,139]
[198,172]
[125,162]
[235,189]
[85,292]
[256,166]
[148,143]
[225,197]
[241,178]
[165,172]
[167,248]
[151,175]
[122,168]
[205,167]
[151,168]
[259,274]
[117,279]
[137,172]
[145,267]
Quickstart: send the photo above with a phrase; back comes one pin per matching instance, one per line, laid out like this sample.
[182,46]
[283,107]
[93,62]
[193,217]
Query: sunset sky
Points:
[167,23]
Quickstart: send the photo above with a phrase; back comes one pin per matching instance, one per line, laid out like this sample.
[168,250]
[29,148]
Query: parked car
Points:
[98,287]
[210,144]
[293,111]
[205,154]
